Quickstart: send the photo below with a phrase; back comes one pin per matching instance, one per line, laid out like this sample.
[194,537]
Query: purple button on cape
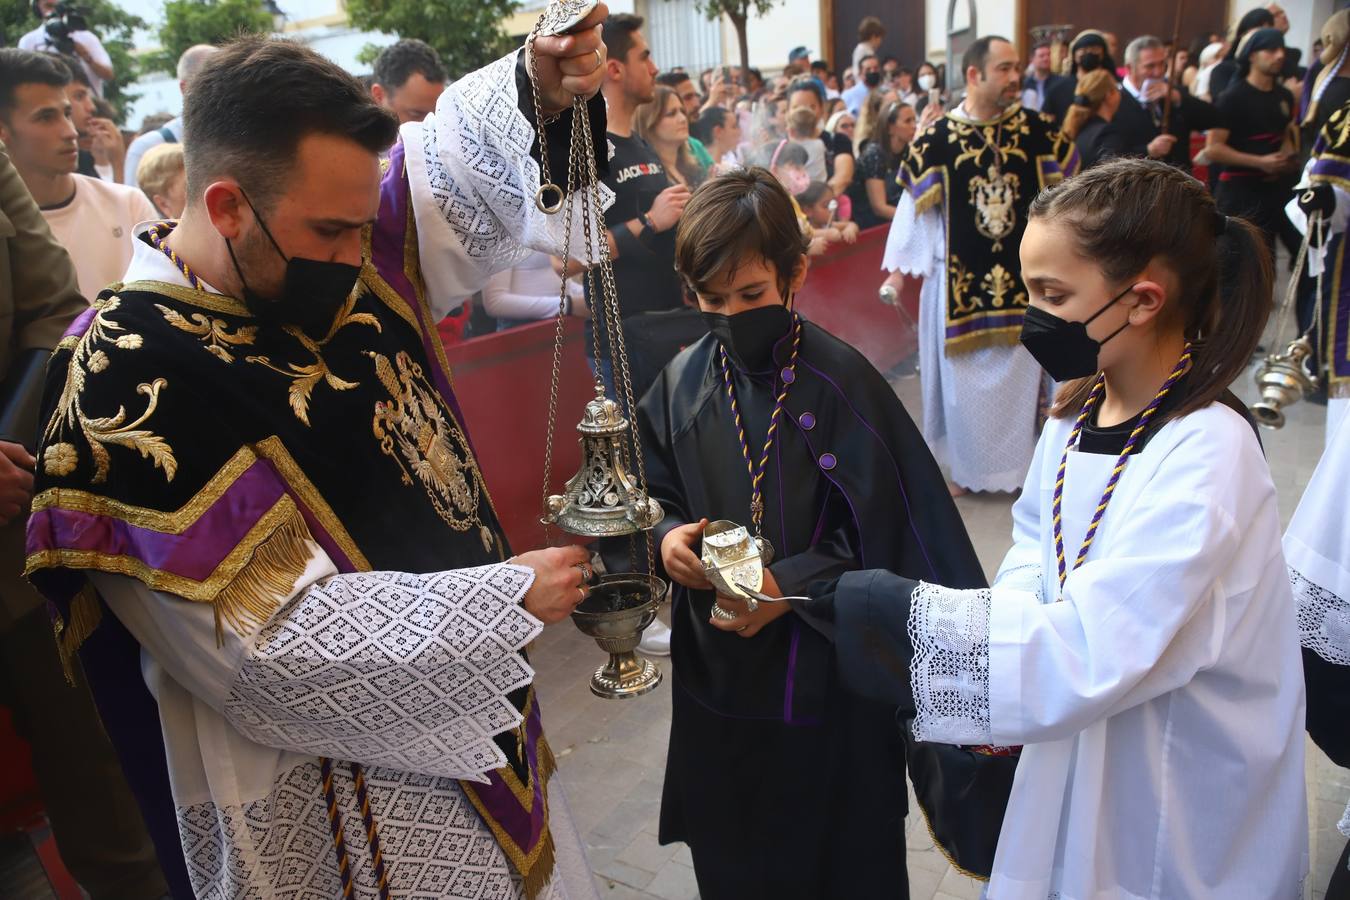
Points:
[827,461]
[807,421]
[788,376]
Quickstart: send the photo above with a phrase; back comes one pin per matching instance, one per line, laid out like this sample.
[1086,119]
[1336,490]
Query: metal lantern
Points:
[602,499]
[1284,379]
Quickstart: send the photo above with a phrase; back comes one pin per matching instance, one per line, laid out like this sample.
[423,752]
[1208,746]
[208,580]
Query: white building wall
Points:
[793,23]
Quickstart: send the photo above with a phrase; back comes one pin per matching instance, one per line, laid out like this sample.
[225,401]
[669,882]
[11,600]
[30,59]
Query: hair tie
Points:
[1081,100]
[1220,223]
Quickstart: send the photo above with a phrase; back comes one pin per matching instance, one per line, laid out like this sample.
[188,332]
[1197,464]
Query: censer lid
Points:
[602,417]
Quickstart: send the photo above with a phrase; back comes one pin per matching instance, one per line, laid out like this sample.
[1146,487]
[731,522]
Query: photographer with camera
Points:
[64,29]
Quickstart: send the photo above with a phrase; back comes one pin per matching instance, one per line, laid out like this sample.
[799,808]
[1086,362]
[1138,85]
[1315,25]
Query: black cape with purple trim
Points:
[784,785]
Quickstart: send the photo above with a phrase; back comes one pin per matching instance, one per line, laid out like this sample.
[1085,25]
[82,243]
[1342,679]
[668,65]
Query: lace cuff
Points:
[950,672]
[406,671]
[473,181]
[1323,619]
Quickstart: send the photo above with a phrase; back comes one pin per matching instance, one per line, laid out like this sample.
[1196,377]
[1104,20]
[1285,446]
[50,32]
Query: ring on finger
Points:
[582,592]
[587,573]
[599,59]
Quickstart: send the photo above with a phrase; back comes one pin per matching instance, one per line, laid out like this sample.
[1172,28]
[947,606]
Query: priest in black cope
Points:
[782,785]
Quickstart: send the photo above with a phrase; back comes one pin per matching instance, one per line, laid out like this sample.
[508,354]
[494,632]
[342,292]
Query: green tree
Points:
[114,27]
[467,34]
[739,13]
[188,22]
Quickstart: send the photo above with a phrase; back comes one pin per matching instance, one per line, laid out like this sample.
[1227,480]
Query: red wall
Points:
[502,380]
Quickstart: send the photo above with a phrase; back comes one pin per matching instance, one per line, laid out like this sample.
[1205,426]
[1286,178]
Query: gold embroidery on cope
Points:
[60,458]
[214,333]
[415,429]
[994,198]
[305,378]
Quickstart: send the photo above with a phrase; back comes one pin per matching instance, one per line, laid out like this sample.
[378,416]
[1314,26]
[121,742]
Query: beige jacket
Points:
[38,301]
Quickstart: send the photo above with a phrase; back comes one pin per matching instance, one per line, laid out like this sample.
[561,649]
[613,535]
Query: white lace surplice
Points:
[1317,548]
[1160,701]
[980,406]
[473,183]
[407,675]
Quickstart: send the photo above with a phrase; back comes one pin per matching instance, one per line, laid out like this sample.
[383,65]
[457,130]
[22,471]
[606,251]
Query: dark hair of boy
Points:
[618,32]
[77,72]
[735,218]
[401,60]
[1222,266]
[673,79]
[20,67]
[869,28]
[711,118]
[254,101]
[807,84]
[812,195]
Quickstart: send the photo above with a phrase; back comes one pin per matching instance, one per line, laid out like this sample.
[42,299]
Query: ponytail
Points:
[1123,214]
[1092,90]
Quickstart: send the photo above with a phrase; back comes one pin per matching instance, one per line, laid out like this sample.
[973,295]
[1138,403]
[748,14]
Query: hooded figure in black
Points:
[1087,53]
[783,785]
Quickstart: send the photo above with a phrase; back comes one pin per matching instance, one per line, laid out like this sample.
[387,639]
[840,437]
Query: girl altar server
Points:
[1140,636]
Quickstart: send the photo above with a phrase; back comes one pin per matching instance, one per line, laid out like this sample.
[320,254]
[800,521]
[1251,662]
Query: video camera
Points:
[65,20]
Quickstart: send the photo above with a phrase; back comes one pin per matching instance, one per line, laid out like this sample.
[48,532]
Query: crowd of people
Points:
[275,676]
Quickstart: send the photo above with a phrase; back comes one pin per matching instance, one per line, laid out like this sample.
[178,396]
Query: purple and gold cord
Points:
[787,377]
[157,234]
[335,826]
[340,841]
[1098,389]
[372,833]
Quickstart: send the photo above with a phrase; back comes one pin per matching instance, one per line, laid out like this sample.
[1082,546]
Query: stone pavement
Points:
[612,753]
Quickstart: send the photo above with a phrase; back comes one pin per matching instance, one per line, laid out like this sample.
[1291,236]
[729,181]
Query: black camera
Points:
[65,20]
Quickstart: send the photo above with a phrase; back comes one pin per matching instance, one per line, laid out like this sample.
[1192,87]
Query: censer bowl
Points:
[617,611]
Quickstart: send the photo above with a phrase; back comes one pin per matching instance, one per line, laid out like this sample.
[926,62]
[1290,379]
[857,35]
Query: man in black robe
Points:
[783,785]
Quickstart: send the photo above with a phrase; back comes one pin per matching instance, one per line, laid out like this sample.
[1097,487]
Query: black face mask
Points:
[1089,62]
[1063,348]
[749,337]
[311,295]
[872,79]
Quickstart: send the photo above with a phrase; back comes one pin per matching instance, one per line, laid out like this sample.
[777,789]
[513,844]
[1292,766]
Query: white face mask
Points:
[927,82]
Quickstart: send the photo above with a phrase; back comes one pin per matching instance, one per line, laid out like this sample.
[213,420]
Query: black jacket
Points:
[1052,84]
[1097,140]
[1137,128]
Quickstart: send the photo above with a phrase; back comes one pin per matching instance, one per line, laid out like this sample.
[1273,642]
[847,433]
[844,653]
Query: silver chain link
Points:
[583,182]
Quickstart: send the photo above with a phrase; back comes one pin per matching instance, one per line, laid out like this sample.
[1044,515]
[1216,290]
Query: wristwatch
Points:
[648,229]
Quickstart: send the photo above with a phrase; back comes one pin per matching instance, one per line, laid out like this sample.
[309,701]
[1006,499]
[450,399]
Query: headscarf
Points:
[1335,45]
[1257,40]
[1089,38]
[1256,18]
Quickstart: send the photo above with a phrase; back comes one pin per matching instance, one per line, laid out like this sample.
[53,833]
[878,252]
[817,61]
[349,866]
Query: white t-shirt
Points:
[37,40]
[96,226]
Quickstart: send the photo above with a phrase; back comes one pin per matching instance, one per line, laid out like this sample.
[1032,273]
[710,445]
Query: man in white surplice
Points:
[325,616]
